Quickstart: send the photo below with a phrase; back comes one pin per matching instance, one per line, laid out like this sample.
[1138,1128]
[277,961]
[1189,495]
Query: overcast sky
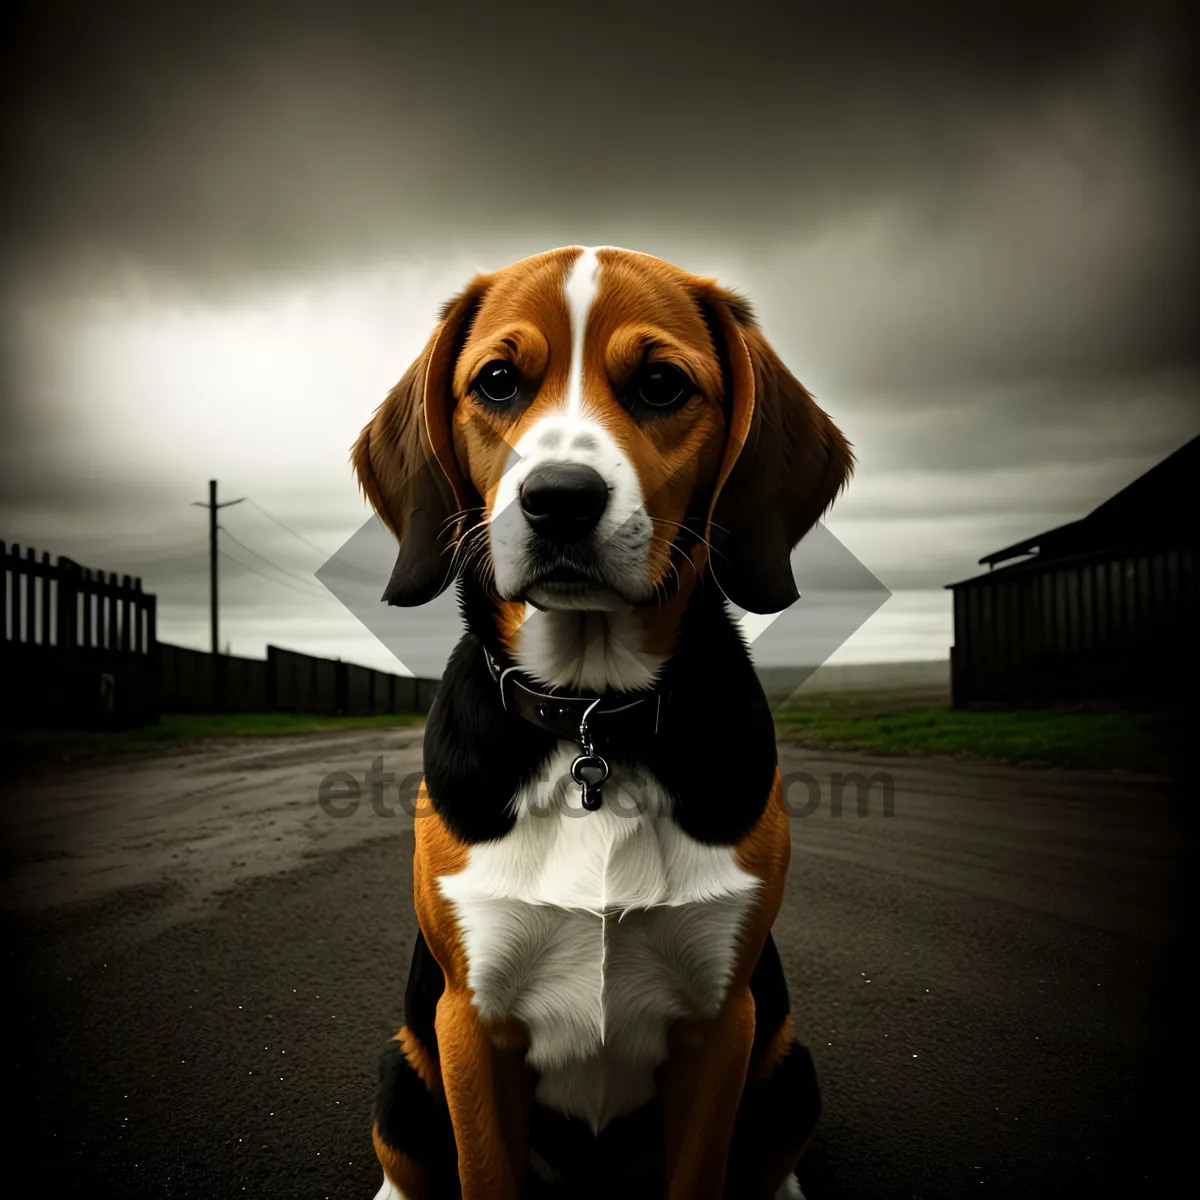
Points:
[225,236]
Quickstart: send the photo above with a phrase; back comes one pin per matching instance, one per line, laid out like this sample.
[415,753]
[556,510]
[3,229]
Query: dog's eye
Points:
[660,385]
[497,382]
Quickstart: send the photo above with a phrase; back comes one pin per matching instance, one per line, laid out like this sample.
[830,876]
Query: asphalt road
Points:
[203,965]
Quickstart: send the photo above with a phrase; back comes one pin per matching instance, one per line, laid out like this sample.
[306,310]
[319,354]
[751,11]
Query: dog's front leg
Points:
[700,1087]
[469,1074]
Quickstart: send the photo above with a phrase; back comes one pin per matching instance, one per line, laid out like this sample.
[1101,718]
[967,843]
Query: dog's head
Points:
[595,431]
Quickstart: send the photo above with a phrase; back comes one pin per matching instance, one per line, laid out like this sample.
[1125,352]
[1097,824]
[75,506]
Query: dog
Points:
[598,450]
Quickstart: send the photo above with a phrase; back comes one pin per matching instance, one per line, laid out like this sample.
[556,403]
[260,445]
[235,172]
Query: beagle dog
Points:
[598,450]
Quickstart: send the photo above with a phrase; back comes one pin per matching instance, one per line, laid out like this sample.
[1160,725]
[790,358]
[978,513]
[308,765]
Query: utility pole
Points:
[213,551]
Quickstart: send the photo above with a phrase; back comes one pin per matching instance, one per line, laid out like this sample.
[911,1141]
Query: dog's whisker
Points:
[455,517]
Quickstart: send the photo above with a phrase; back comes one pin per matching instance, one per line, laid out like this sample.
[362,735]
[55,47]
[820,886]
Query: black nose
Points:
[563,501]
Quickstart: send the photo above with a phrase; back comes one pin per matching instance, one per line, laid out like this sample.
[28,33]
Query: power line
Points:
[142,566]
[262,575]
[282,525]
[133,547]
[270,579]
[158,563]
[264,559]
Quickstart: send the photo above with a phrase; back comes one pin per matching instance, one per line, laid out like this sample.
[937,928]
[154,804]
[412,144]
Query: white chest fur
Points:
[596,930]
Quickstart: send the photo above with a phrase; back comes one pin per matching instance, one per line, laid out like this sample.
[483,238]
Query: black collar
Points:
[595,723]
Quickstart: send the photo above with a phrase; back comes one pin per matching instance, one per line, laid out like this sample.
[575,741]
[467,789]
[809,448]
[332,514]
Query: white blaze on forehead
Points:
[580,290]
[621,540]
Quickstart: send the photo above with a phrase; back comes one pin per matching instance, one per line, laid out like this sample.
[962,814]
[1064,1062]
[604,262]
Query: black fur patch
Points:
[624,1160]
[780,1112]
[410,1118]
[477,755]
[422,993]
[771,1002]
[715,699]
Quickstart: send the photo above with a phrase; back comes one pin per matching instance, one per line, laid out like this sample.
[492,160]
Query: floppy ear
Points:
[405,462]
[784,463]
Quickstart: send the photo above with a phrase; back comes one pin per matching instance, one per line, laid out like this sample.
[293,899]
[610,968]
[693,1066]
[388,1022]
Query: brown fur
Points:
[779,1045]
[766,452]
[701,1082]
[420,1060]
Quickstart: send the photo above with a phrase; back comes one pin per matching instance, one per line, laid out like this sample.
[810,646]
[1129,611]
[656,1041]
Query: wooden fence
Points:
[76,646]
[79,648]
[285,681]
[194,681]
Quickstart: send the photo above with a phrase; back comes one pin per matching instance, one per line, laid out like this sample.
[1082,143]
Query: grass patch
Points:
[182,728]
[1130,741]
[876,724]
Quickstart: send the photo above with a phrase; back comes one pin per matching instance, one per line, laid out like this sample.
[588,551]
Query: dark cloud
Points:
[215,142]
[967,227]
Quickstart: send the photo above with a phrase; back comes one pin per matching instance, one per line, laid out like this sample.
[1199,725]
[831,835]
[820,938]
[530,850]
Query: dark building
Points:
[1102,609]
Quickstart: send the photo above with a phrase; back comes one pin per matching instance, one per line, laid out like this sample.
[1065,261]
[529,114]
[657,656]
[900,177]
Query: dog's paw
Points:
[790,1190]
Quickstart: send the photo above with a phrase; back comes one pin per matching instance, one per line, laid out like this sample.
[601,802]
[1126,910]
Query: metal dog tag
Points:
[590,771]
